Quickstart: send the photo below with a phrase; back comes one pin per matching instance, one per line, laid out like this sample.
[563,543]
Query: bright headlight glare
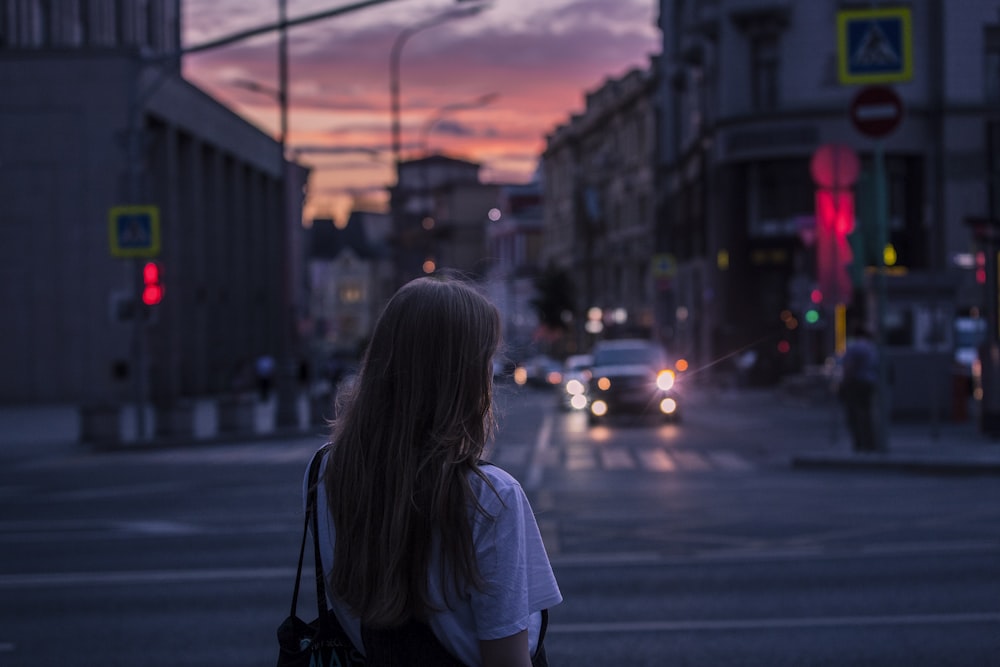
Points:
[665,380]
[574,387]
[668,406]
[599,408]
[579,401]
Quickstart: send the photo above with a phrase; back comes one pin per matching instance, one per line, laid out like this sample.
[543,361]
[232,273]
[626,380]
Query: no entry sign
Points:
[876,111]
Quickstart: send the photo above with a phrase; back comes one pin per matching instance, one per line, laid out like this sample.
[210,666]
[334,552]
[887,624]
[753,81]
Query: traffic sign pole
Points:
[882,225]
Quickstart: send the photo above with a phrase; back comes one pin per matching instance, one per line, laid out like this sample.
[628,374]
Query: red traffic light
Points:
[152,288]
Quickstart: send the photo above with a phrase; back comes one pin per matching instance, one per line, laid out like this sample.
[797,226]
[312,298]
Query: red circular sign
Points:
[876,111]
[834,166]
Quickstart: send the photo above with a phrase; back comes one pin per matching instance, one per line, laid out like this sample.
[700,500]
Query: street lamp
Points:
[481,101]
[394,61]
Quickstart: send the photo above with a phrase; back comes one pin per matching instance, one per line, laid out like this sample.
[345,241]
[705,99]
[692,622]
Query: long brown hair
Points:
[414,426]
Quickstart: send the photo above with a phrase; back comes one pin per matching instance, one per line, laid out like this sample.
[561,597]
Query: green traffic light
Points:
[812,316]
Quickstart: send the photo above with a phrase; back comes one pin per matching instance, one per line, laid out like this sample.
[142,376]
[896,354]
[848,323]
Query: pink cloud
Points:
[541,58]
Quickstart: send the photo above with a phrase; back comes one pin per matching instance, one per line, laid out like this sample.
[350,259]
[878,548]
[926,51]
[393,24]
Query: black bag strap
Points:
[311,515]
[541,631]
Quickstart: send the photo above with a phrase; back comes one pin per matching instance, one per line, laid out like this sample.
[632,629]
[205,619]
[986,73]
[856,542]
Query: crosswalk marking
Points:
[656,459]
[691,460]
[729,461]
[512,456]
[617,459]
[580,460]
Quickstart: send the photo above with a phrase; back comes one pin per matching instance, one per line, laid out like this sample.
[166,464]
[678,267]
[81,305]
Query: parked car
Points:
[539,371]
[631,377]
[575,376]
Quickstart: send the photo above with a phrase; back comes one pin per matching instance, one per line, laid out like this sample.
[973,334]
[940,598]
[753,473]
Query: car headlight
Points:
[574,387]
[665,380]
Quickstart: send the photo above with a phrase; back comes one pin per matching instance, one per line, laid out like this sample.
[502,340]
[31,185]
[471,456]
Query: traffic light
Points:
[152,285]
[834,221]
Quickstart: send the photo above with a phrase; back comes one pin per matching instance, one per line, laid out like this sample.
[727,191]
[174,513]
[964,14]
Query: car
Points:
[631,377]
[575,376]
[539,371]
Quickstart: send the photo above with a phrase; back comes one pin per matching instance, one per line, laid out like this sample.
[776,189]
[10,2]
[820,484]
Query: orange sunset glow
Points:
[487,87]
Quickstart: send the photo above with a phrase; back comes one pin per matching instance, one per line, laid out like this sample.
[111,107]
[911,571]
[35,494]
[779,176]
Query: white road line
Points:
[773,623]
[512,455]
[656,459]
[534,476]
[690,460]
[617,459]
[580,461]
[729,461]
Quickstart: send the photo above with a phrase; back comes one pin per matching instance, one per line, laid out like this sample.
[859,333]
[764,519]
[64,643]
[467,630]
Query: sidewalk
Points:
[805,412]
[937,445]
[46,430]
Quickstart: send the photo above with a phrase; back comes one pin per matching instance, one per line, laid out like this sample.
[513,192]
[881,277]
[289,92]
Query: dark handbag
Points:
[322,642]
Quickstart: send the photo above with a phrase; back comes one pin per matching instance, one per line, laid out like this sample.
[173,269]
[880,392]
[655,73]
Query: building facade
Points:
[600,196]
[749,91]
[514,235]
[350,280]
[439,211]
[95,115]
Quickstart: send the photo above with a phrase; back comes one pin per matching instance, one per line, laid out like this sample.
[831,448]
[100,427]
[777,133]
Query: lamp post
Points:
[402,249]
[481,101]
[394,65]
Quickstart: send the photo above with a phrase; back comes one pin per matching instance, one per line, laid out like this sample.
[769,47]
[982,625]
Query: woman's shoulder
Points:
[497,475]
[493,480]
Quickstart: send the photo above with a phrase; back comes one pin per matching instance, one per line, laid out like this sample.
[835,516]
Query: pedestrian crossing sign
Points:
[874,46]
[134,231]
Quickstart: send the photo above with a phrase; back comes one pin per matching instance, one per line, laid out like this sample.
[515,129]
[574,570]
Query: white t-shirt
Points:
[512,562]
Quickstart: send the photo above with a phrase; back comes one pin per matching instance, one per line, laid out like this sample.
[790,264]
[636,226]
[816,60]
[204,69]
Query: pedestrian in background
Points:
[857,390]
[417,531]
[264,369]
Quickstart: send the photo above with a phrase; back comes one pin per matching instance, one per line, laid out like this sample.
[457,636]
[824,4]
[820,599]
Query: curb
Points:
[917,464]
[174,442]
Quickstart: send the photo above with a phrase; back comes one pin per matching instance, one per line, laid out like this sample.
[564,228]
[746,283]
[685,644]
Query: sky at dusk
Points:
[533,60]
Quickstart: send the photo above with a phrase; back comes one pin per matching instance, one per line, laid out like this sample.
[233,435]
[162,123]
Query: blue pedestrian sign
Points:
[134,231]
[874,46]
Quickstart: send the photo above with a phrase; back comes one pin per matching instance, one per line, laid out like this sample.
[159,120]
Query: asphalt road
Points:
[689,544]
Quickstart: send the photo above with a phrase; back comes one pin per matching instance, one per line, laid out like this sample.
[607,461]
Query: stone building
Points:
[600,206]
[515,237]
[749,91]
[95,115]
[439,209]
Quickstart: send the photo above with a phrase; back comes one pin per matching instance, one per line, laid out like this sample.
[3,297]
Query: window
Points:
[350,293]
[764,71]
[780,191]
[763,27]
[991,65]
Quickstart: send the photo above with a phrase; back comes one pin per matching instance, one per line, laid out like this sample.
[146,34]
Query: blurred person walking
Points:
[420,537]
[264,369]
[857,391]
